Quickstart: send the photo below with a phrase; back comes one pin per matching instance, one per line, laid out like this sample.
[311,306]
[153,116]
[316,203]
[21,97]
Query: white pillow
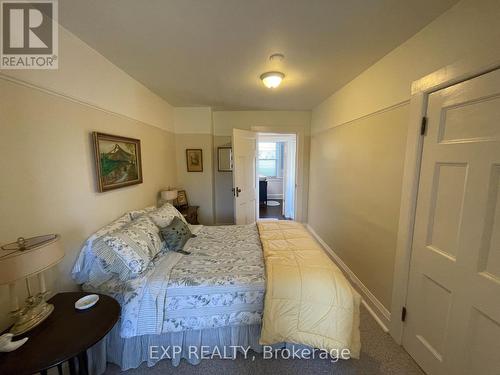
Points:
[164,215]
[87,265]
[129,250]
[134,214]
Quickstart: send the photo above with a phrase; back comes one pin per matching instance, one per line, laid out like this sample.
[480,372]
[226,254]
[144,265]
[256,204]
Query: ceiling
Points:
[212,52]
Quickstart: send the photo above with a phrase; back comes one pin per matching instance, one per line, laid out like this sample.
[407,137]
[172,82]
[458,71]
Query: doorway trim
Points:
[420,89]
[301,164]
[296,174]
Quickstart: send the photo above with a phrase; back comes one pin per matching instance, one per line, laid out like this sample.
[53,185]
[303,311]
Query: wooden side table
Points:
[64,336]
[190,213]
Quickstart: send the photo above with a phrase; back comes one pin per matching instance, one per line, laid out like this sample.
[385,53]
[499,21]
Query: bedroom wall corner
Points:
[193,129]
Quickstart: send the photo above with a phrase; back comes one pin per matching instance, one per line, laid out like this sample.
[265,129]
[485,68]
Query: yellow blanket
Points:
[308,300]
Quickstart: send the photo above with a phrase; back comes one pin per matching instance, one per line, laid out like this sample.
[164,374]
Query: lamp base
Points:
[32,316]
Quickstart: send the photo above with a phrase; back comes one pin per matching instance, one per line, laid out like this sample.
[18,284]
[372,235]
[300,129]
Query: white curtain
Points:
[289,191]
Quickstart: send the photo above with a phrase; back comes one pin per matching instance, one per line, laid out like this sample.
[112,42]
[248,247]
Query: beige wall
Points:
[467,29]
[193,129]
[355,191]
[223,183]
[87,76]
[358,137]
[226,121]
[48,183]
[193,120]
[198,185]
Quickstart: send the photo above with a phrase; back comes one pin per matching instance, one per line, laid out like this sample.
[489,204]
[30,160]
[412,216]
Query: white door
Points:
[244,177]
[453,305]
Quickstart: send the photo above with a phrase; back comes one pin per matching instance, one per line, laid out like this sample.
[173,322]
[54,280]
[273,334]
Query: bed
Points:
[211,298]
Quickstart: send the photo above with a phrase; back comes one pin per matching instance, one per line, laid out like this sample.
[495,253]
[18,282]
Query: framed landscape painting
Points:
[117,161]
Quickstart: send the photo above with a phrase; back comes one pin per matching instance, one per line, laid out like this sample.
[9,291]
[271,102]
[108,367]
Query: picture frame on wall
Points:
[117,161]
[181,200]
[224,159]
[194,159]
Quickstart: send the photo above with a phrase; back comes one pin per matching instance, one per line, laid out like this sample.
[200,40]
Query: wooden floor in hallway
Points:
[272,212]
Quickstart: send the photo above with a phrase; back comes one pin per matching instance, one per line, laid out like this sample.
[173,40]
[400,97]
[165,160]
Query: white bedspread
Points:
[221,283]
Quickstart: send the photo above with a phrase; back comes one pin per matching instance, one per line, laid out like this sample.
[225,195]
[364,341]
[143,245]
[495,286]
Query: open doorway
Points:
[276,171]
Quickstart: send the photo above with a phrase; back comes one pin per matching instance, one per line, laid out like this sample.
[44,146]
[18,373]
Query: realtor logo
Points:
[29,38]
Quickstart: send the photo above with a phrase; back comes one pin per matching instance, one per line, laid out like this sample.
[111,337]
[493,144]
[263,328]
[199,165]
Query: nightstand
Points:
[190,213]
[64,336]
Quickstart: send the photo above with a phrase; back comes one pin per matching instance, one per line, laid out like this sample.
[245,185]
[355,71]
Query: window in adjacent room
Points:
[270,159]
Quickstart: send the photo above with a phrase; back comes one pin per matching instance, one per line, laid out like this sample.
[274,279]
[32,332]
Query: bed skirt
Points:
[191,345]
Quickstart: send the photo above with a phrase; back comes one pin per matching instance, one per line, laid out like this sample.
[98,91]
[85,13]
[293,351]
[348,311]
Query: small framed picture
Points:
[224,159]
[182,198]
[194,159]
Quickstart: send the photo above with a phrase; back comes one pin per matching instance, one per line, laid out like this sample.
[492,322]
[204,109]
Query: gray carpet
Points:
[379,355]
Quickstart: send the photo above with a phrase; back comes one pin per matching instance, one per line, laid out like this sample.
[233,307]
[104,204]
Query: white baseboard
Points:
[381,315]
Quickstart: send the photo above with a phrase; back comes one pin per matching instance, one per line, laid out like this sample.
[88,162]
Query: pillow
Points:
[87,266]
[129,250]
[176,234]
[164,215]
[134,214]
[117,224]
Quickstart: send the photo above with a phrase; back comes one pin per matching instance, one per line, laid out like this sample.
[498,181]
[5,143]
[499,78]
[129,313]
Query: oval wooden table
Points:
[64,336]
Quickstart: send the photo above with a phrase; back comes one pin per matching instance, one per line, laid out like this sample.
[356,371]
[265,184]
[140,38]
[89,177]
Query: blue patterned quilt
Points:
[221,283]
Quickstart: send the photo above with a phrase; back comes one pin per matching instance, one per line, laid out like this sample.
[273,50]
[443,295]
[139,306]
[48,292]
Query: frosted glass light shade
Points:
[272,79]
[169,195]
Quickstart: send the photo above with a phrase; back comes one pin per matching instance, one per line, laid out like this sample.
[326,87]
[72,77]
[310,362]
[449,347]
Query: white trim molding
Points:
[76,100]
[447,76]
[315,132]
[381,315]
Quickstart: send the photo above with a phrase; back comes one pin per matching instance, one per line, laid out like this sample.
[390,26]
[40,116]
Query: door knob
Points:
[238,191]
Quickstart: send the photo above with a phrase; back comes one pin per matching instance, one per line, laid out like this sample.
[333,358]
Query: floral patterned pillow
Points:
[132,247]
[164,215]
[135,214]
[87,265]
[111,227]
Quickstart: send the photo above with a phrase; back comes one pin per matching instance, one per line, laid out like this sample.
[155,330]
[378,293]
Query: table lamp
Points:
[169,195]
[22,260]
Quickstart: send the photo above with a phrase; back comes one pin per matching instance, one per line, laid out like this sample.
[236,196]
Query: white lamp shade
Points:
[21,264]
[169,195]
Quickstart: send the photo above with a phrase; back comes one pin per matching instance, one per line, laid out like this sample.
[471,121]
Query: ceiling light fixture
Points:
[272,79]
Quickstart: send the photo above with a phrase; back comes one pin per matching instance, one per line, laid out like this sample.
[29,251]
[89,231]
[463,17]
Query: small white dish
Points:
[86,302]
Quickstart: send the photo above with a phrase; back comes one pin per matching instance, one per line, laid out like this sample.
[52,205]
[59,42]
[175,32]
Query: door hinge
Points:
[403,314]
[423,126]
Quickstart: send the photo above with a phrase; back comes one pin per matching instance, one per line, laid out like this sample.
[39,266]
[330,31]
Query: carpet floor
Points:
[379,355]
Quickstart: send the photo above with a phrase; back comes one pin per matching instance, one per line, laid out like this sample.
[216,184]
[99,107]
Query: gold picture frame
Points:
[194,159]
[181,200]
[117,161]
